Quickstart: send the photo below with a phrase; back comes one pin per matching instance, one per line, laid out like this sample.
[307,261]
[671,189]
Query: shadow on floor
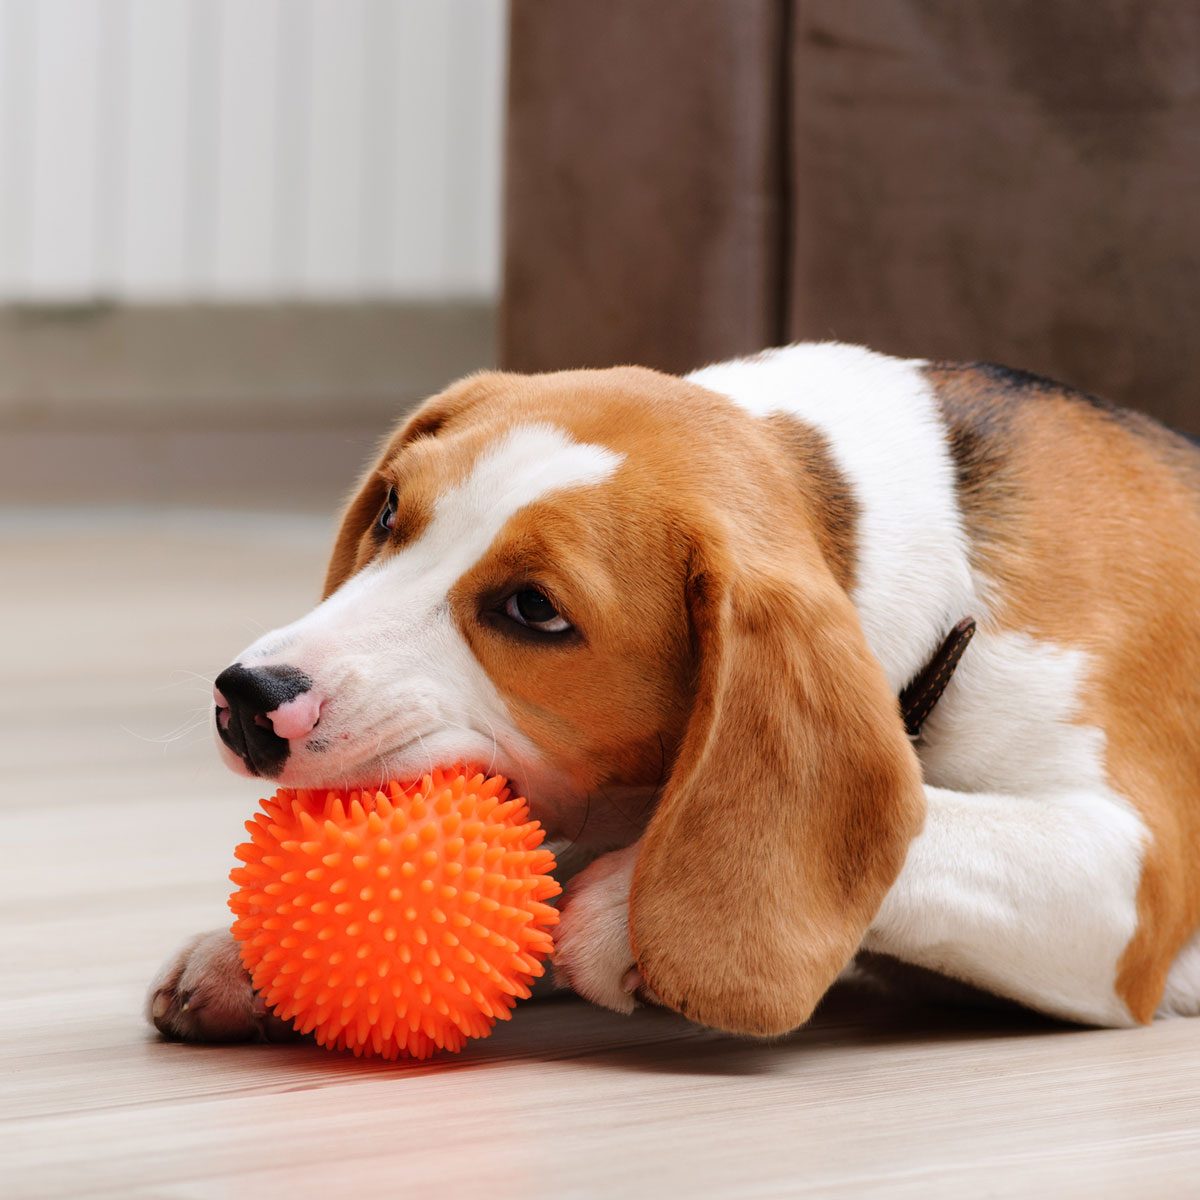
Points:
[568,1029]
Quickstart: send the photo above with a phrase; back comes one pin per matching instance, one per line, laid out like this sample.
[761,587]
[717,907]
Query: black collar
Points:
[918,698]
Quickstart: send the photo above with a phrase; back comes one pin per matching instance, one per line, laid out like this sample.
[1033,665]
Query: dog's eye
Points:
[387,518]
[533,609]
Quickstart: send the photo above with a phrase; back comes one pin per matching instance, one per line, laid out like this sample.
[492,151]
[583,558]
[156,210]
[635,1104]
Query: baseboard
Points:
[284,470]
[232,366]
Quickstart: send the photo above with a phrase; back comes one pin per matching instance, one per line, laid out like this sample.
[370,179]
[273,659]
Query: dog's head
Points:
[623,594]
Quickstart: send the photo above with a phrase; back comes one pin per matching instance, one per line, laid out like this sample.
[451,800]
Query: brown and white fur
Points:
[745,566]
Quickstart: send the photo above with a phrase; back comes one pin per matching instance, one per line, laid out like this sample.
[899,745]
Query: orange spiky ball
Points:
[398,922]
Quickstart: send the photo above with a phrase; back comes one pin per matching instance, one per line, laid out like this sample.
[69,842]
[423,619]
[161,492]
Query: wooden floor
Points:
[117,830]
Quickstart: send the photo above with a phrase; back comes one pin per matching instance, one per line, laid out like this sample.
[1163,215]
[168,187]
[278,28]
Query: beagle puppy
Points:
[678,614]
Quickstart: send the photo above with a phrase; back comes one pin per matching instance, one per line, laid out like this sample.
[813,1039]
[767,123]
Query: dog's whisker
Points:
[491,732]
[587,812]
[611,802]
[425,749]
[188,677]
[192,721]
[193,737]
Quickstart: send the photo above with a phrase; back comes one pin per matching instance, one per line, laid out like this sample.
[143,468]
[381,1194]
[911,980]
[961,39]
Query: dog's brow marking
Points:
[530,462]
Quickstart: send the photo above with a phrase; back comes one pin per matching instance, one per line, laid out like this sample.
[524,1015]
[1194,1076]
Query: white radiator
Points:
[250,149]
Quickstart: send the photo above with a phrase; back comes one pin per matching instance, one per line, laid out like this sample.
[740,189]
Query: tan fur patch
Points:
[828,497]
[1089,519]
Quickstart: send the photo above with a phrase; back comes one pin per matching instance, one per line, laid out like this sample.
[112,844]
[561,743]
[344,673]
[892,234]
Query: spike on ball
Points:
[387,887]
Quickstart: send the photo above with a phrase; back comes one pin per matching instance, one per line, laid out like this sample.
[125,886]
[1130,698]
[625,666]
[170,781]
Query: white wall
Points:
[250,149]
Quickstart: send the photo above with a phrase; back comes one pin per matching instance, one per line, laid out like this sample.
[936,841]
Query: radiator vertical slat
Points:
[62,230]
[194,150]
[154,262]
[247,164]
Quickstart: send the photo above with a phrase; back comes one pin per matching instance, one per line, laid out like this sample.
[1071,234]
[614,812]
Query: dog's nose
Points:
[260,709]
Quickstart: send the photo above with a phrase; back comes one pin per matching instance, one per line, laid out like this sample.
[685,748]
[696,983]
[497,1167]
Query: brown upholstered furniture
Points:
[1015,180]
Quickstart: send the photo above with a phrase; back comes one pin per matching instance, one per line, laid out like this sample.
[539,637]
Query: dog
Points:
[678,612]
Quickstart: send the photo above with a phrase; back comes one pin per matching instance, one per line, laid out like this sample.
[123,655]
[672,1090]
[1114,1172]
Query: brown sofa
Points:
[1014,180]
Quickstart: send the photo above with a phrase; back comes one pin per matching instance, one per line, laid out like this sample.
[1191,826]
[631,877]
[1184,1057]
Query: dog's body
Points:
[677,614]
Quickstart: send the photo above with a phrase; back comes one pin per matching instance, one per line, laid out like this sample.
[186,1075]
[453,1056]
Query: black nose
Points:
[251,693]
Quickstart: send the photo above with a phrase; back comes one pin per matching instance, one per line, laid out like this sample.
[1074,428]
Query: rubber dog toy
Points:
[396,922]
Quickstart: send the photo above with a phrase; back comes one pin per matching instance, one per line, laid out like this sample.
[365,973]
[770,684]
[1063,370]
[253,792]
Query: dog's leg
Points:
[1033,899]
[591,944]
[203,994]
[1030,898]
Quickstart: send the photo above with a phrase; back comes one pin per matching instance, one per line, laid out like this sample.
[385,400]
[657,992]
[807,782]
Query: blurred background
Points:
[1016,182]
[238,239]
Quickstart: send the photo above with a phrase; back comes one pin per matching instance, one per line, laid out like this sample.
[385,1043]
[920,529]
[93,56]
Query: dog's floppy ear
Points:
[369,493]
[789,809]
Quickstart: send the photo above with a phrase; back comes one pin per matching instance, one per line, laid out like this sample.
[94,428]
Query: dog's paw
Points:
[203,994]
[591,945]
